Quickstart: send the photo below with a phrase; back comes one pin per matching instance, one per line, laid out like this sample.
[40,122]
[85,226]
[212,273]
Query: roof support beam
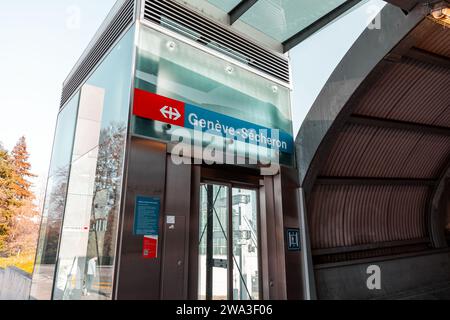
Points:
[370,246]
[408,5]
[438,208]
[363,181]
[400,125]
[428,57]
[318,24]
[240,9]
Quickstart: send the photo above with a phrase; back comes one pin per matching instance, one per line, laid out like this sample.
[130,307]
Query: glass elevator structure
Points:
[172,152]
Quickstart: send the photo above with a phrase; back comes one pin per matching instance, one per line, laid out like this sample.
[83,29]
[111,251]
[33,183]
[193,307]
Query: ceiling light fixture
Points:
[229,69]
[441,13]
[171,45]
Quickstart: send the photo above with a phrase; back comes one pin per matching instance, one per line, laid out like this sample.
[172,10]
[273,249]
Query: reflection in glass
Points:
[214,261]
[245,245]
[226,6]
[71,262]
[287,17]
[213,255]
[88,240]
[172,68]
[55,198]
[188,74]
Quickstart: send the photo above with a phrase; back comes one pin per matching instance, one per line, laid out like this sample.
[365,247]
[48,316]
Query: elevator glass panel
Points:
[245,245]
[213,249]
[228,259]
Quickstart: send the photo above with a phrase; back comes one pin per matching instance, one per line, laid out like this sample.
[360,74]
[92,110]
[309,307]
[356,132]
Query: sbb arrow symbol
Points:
[170,113]
[149,105]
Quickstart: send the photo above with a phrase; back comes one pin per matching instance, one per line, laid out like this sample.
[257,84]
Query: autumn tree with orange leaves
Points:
[20,162]
[19,221]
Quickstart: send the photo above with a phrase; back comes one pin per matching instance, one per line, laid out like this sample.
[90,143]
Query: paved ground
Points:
[436,292]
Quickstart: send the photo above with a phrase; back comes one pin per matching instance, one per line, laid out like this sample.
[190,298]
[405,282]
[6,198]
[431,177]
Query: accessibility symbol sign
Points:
[293,239]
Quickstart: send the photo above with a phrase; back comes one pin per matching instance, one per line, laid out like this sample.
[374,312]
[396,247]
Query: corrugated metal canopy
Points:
[375,183]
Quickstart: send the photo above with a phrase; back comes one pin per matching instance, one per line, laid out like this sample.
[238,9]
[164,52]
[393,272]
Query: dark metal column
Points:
[241,281]
[209,241]
[230,264]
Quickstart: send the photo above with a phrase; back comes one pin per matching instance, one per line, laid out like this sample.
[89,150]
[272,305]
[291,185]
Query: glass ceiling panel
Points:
[225,5]
[281,19]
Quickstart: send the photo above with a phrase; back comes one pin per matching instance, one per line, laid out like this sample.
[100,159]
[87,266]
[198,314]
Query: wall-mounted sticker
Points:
[150,247]
[170,219]
[146,216]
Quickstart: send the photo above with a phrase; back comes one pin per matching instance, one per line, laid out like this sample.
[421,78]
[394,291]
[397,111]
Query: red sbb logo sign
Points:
[152,106]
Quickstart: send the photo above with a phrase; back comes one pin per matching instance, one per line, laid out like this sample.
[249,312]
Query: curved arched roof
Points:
[371,180]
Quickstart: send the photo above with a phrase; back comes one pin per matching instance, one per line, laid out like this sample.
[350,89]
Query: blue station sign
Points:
[152,106]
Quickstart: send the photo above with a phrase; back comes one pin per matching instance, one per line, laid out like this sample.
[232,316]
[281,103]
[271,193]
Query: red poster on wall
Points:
[150,247]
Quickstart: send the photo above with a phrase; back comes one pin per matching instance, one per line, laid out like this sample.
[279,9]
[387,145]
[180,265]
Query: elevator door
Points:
[228,243]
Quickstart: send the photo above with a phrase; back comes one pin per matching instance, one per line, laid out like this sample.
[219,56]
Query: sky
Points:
[41,40]
[313,60]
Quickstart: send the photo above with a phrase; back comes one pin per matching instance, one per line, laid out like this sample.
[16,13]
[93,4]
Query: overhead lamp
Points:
[229,69]
[171,45]
[438,14]
[446,11]
[441,13]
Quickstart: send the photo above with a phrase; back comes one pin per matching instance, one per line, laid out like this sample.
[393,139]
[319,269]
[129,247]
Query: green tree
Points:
[19,159]
[7,197]
[18,214]
[22,228]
